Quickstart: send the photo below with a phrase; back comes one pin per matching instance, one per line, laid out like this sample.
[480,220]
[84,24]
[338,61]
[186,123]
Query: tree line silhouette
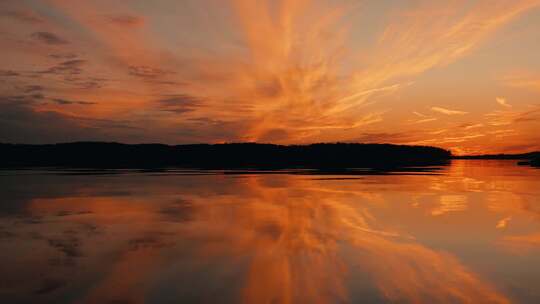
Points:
[220,156]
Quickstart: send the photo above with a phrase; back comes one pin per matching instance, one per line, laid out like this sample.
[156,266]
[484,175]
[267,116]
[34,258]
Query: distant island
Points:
[324,156]
[530,155]
[524,159]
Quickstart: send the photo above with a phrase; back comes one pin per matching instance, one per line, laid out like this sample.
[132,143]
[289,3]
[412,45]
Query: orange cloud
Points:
[447,111]
[522,80]
[502,101]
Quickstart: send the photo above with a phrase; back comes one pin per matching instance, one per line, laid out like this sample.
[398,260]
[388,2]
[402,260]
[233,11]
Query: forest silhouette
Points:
[220,156]
[323,156]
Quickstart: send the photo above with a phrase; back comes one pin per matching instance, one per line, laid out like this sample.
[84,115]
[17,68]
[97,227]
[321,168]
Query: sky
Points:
[460,74]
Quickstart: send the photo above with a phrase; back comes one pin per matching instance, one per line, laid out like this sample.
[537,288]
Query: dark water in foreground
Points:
[467,234]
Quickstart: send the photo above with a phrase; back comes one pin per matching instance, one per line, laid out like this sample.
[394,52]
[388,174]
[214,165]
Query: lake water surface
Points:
[469,233]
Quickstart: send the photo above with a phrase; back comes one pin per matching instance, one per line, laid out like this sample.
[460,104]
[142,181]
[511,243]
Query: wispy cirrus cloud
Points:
[148,72]
[523,79]
[453,31]
[8,73]
[290,76]
[61,101]
[63,56]
[470,126]
[502,101]
[422,118]
[69,67]
[26,16]
[33,88]
[126,20]
[179,104]
[446,111]
[49,38]
[505,118]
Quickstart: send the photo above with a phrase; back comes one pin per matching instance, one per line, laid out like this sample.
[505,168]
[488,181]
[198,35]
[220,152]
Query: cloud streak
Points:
[502,101]
[49,38]
[446,111]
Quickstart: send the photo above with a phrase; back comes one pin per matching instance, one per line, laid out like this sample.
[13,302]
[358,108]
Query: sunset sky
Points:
[458,74]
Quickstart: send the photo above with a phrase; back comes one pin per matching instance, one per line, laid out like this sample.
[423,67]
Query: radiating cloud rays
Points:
[289,71]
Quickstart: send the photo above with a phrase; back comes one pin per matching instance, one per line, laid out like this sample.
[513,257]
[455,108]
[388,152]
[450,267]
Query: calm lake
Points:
[467,233]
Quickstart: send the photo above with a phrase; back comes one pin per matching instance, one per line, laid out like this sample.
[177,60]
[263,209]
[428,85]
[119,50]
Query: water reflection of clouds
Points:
[450,203]
[282,239]
[521,244]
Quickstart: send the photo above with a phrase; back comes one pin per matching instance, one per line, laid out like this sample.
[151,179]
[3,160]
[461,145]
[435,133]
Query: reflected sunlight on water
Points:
[468,235]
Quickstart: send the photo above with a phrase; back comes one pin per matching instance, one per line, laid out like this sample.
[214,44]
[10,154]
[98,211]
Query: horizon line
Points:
[268,143]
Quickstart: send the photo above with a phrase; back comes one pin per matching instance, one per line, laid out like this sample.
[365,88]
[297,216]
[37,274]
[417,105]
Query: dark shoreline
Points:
[522,156]
[523,159]
[328,157]
[324,157]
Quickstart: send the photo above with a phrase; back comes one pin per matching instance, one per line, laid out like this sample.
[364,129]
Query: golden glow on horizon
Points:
[288,71]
